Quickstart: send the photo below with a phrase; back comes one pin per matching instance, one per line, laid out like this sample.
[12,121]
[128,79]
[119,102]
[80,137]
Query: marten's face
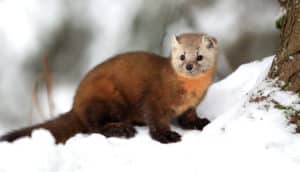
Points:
[193,54]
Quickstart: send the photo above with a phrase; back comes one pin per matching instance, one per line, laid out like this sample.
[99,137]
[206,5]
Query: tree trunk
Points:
[286,64]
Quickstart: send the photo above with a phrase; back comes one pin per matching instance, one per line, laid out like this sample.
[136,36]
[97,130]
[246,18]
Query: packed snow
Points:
[244,135]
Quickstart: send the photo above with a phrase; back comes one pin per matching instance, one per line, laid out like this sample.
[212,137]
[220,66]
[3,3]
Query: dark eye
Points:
[199,57]
[210,44]
[182,57]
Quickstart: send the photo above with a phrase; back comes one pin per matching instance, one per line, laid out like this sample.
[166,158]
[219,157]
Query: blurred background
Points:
[77,35]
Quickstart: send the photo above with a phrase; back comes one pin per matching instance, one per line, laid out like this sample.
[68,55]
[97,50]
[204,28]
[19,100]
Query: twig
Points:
[45,77]
[35,100]
[48,81]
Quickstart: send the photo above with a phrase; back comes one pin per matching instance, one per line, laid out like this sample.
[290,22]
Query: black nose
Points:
[189,67]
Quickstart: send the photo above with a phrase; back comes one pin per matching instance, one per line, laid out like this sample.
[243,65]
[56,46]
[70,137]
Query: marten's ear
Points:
[175,41]
[209,41]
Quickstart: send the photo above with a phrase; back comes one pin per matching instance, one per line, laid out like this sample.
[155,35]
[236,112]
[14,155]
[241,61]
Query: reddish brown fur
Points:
[129,89]
[61,127]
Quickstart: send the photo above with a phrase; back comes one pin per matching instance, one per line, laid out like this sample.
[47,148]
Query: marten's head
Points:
[193,54]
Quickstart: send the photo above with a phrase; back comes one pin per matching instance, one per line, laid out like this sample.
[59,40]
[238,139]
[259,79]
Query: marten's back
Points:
[130,75]
[128,66]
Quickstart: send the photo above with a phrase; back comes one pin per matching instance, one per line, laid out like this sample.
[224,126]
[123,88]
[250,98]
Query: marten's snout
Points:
[189,67]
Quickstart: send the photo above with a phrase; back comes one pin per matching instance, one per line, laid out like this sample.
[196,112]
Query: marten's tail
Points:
[62,128]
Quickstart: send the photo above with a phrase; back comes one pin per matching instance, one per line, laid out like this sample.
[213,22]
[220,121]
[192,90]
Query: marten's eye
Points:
[182,57]
[210,44]
[199,57]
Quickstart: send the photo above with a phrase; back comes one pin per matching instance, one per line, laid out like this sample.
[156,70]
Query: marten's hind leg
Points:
[118,129]
[107,118]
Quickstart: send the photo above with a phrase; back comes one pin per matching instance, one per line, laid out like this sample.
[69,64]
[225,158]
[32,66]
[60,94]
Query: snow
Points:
[244,135]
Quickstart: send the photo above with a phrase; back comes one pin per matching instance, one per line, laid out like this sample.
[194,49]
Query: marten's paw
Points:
[196,123]
[201,123]
[118,129]
[166,136]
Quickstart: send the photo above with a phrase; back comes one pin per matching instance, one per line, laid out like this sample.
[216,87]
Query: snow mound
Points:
[244,135]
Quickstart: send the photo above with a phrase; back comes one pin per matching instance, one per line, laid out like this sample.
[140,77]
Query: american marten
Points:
[140,88]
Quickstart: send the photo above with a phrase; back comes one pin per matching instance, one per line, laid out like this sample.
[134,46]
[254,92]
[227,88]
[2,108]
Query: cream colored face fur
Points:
[193,54]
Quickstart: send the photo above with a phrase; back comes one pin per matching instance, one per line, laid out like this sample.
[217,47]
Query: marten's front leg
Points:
[158,121]
[190,120]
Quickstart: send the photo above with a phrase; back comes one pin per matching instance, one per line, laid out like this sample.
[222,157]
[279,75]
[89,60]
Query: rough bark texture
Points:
[286,64]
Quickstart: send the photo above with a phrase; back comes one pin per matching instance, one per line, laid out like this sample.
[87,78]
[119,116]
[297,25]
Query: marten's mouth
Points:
[190,72]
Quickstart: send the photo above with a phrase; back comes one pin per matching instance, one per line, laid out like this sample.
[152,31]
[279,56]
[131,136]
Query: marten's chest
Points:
[192,92]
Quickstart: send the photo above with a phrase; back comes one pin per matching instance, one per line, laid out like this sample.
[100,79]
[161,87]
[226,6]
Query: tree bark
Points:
[286,64]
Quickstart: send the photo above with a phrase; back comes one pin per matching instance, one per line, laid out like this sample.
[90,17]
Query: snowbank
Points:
[243,136]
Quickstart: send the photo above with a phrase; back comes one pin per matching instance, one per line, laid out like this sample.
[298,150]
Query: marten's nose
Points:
[189,67]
